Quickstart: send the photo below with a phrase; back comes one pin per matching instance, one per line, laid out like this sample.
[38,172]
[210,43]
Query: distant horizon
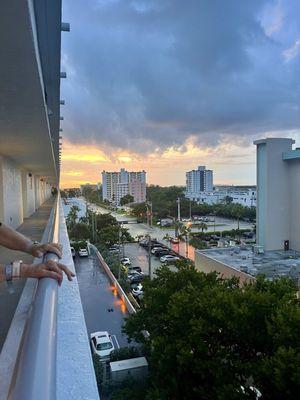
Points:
[154,184]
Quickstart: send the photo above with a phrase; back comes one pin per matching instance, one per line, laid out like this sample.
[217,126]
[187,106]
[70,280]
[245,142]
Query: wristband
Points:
[8,277]
[16,268]
[8,272]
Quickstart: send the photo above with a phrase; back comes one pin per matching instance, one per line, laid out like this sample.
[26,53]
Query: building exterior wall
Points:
[294,175]
[28,194]
[116,185]
[207,264]
[11,193]
[273,211]
[199,181]
[19,195]
[245,198]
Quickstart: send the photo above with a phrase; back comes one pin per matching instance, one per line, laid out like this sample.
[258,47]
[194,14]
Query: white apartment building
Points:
[199,181]
[278,194]
[116,185]
[246,197]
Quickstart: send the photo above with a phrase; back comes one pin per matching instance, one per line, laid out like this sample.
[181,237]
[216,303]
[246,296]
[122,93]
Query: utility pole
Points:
[149,256]
[93,227]
[151,214]
[119,253]
[96,228]
[147,213]
[178,209]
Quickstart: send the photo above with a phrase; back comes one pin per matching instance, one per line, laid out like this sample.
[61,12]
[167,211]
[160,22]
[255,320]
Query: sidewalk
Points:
[32,227]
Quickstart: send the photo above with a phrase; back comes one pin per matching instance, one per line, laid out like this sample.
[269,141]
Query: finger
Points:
[66,270]
[54,275]
[51,248]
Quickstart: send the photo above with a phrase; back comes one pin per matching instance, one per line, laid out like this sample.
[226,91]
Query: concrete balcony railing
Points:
[46,354]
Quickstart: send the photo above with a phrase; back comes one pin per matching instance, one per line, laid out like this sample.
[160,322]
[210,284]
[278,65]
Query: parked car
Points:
[132,269]
[102,344]
[83,253]
[154,249]
[138,290]
[113,249]
[168,258]
[137,277]
[160,253]
[125,261]
[73,252]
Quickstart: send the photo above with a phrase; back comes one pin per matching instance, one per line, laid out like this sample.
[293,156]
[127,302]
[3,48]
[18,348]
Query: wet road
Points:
[98,298]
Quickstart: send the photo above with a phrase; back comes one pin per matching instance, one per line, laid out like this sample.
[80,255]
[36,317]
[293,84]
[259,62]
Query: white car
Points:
[138,290]
[168,258]
[83,253]
[102,344]
[125,261]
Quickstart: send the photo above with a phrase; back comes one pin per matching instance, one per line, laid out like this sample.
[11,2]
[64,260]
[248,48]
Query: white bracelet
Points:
[16,268]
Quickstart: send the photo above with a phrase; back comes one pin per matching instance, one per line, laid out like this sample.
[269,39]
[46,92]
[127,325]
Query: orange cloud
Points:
[232,163]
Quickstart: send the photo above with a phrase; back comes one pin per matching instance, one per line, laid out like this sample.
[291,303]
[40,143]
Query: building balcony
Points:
[46,353]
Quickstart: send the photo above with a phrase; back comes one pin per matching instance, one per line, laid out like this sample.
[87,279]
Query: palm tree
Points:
[184,233]
[72,216]
[168,237]
[202,226]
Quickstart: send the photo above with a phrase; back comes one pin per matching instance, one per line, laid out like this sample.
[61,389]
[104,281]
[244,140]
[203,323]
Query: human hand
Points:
[49,269]
[39,249]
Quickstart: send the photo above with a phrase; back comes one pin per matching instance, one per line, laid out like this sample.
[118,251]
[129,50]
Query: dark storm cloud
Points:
[149,74]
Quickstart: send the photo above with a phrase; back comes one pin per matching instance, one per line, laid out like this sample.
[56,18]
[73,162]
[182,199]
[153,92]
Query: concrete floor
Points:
[32,227]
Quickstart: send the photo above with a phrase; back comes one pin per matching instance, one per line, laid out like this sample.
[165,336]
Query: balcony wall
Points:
[21,192]
[75,377]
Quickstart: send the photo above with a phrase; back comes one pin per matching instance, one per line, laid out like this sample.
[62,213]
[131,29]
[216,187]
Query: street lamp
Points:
[149,256]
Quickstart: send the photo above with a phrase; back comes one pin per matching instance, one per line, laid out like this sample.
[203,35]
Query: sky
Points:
[167,85]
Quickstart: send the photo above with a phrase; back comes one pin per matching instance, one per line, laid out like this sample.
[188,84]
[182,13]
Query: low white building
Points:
[246,197]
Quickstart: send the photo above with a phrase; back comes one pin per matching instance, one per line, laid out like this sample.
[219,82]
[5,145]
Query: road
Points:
[98,299]
[221,224]
[158,233]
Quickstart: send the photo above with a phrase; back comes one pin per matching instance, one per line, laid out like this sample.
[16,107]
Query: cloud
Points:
[145,76]
[293,51]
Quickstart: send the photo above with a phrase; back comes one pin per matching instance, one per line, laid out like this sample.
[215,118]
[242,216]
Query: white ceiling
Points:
[24,125]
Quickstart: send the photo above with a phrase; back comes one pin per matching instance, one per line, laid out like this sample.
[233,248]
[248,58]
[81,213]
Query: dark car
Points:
[136,278]
[160,253]
[132,269]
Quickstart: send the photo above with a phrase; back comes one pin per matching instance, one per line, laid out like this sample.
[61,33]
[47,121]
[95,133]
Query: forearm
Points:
[24,269]
[14,240]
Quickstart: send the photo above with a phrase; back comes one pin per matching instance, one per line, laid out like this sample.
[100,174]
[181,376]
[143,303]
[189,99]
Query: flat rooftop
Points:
[272,264]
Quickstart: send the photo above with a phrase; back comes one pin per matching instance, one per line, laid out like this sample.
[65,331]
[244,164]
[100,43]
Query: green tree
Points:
[212,339]
[184,233]
[126,199]
[72,216]
[202,226]
[139,210]
[80,231]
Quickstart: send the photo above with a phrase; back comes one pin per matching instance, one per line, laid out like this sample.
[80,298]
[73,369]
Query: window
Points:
[104,346]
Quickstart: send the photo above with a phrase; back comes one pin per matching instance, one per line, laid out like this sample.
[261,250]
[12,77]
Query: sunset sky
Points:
[166,86]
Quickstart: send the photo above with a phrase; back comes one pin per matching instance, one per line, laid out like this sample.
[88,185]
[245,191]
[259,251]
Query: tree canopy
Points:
[126,199]
[212,339]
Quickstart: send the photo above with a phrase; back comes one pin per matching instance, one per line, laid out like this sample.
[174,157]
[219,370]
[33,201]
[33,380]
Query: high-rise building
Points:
[199,181]
[116,185]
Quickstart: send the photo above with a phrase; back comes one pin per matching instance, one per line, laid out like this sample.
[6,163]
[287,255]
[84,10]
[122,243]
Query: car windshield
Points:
[104,346]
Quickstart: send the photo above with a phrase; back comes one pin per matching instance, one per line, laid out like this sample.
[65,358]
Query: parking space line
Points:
[115,337]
